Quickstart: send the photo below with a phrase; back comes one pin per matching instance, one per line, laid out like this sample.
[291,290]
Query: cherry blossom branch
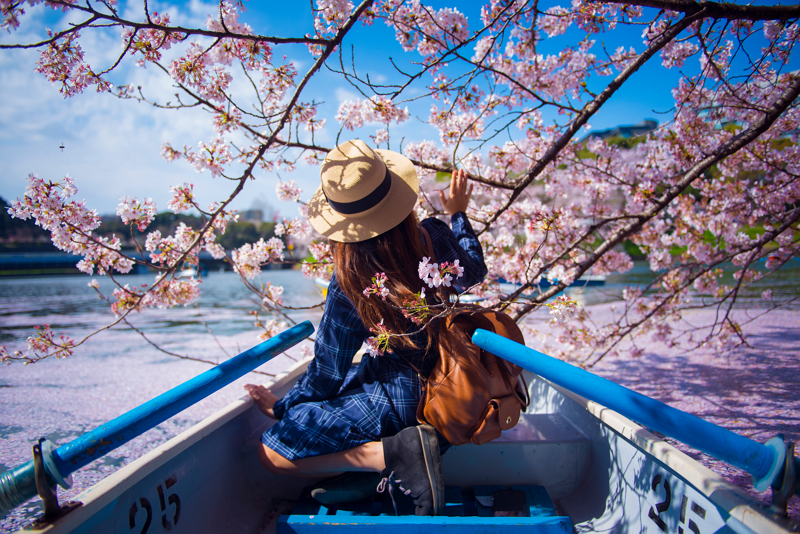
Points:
[98,15]
[726,149]
[593,107]
[720,10]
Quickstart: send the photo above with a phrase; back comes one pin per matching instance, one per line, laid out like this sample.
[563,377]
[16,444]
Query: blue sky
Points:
[112,147]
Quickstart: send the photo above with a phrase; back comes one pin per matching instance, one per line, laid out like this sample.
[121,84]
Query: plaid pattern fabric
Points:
[333,407]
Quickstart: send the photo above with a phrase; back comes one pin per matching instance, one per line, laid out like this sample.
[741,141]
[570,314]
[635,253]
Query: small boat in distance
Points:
[200,271]
[570,465]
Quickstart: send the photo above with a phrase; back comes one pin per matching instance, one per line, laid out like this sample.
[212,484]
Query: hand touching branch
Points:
[460,193]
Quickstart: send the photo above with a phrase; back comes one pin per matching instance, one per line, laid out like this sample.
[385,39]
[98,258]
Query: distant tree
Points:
[16,231]
[240,233]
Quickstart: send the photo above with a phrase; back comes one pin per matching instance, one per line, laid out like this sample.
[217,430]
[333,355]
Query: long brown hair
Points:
[396,253]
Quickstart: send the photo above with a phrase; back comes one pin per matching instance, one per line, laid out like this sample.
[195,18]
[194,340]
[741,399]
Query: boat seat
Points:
[541,450]
[512,509]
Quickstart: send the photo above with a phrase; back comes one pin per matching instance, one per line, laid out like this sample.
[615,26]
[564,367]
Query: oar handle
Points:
[18,485]
[763,461]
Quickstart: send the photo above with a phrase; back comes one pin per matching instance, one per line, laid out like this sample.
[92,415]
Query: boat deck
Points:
[475,509]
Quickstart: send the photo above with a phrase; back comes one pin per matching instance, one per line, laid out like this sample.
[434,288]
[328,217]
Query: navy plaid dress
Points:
[334,407]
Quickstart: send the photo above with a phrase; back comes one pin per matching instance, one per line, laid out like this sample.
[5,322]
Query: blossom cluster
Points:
[248,259]
[415,308]
[164,293]
[62,61]
[331,16]
[212,157]
[269,328]
[436,275]
[378,286]
[322,266]
[169,250]
[562,308]
[296,227]
[222,216]
[273,295]
[151,42]
[427,30]
[134,212]
[70,224]
[354,114]
[288,191]
[42,344]
[378,344]
[182,198]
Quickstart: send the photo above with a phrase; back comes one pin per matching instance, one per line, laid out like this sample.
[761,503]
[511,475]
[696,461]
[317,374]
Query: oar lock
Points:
[47,475]
[784,481]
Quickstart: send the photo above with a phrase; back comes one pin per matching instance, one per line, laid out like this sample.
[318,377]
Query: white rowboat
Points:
[594,469]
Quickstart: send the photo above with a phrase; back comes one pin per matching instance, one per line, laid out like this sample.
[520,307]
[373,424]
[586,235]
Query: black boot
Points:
[414,465]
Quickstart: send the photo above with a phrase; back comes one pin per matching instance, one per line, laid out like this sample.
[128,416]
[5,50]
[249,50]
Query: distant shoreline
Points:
[55,262]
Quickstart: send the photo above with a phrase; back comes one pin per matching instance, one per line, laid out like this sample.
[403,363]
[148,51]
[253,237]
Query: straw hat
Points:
[364,192]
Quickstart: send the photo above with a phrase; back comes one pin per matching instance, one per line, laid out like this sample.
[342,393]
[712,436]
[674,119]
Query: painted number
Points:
[695,509]
[661,507]
[164,504]
[132,515]
[656,514]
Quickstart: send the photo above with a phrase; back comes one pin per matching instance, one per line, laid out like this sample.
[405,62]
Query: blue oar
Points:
[764,462]
[18,485]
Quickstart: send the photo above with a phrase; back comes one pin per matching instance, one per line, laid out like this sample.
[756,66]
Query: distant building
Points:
[633,130]
[254,216]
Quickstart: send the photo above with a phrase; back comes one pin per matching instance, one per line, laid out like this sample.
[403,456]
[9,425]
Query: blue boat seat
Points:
[482,509]
[542,450]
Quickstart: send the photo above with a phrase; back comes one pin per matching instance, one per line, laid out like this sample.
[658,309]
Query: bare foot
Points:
[263,398]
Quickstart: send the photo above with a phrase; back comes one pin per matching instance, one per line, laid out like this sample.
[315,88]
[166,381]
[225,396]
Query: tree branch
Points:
[720,10]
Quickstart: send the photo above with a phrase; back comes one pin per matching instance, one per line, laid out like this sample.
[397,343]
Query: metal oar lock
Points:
[52,467]
[771,464]
[785,484]
[44,469]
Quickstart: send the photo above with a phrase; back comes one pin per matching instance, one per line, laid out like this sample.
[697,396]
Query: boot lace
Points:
[389,483]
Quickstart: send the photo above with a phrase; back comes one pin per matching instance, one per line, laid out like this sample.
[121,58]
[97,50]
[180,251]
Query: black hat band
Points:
[363,204]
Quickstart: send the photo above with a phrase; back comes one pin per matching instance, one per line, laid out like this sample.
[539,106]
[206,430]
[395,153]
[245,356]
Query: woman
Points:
[339,419]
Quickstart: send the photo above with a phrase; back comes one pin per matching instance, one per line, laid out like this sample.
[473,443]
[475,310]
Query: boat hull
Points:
[603,471]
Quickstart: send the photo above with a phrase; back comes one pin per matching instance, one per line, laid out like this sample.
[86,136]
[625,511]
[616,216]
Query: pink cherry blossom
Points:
[182,198]
[62,62]
[139,213]
[213,157]
[288,191]
[150,42]
[296,227]
[378,109]
[248,259]
[273,294]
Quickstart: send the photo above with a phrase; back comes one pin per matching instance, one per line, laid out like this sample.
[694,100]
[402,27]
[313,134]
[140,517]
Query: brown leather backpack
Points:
[472,395]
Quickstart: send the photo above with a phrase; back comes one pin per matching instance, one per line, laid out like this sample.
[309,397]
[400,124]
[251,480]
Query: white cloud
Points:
[343,94]
[112,147]
[377,77]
